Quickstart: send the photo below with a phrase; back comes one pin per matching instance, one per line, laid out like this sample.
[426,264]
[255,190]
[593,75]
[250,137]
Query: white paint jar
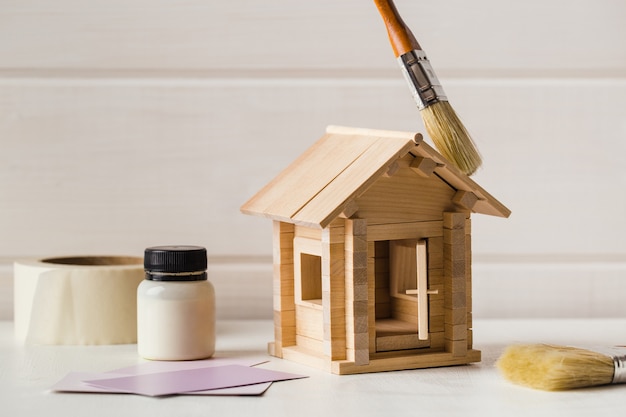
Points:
[175,305]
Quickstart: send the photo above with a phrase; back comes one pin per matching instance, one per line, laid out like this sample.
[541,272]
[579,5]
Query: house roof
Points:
[319,185]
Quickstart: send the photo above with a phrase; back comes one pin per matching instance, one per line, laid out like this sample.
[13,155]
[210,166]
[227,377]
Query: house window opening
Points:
[311,278]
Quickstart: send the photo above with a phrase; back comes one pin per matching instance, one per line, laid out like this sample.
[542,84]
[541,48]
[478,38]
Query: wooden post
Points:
[455,296]
[283,284]
[333,292]
[356,292]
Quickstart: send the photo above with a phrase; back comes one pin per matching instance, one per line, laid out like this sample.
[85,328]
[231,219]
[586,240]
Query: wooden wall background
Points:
[132,123]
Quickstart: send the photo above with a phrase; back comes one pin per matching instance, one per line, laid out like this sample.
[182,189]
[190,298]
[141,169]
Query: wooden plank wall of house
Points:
[130,123]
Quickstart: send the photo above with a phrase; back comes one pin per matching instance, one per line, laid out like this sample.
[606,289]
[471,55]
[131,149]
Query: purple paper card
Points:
[74,382]
[175,382]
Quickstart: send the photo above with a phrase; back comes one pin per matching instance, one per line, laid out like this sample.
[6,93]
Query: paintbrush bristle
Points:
[553,368]
[450,136]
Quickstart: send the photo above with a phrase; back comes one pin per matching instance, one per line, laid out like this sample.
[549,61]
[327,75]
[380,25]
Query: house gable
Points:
[405,196]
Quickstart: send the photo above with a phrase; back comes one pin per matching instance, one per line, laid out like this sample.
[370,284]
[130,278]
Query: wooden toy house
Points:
[372,254]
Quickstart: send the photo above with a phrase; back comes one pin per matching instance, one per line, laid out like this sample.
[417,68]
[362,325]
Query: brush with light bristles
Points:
[556,368]
[441,121]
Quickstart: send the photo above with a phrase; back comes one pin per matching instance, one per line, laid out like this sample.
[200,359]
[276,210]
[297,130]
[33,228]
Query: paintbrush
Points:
[441,121]
[555,368]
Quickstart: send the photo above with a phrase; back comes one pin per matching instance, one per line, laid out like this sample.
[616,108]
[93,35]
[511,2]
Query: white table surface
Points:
[26,374]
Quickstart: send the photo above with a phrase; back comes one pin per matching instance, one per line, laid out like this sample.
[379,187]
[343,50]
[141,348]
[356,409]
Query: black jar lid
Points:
[175,263]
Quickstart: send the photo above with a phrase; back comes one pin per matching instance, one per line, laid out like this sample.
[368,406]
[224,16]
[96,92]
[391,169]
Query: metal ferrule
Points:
[423,82]
[619,377]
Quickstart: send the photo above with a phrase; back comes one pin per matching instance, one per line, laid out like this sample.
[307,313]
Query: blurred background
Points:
[132,123]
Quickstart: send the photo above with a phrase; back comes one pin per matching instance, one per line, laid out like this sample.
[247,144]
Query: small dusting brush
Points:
[555,368]
[442,124]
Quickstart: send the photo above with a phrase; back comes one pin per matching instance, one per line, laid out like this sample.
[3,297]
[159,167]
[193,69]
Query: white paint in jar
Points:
[175,305]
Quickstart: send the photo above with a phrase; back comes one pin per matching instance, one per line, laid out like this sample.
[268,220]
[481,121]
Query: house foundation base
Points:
[390,361]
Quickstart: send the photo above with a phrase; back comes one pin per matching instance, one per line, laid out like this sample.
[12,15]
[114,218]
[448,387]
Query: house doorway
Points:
[401,296]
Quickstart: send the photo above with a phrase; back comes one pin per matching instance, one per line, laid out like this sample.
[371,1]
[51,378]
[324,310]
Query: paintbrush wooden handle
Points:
[400,36]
